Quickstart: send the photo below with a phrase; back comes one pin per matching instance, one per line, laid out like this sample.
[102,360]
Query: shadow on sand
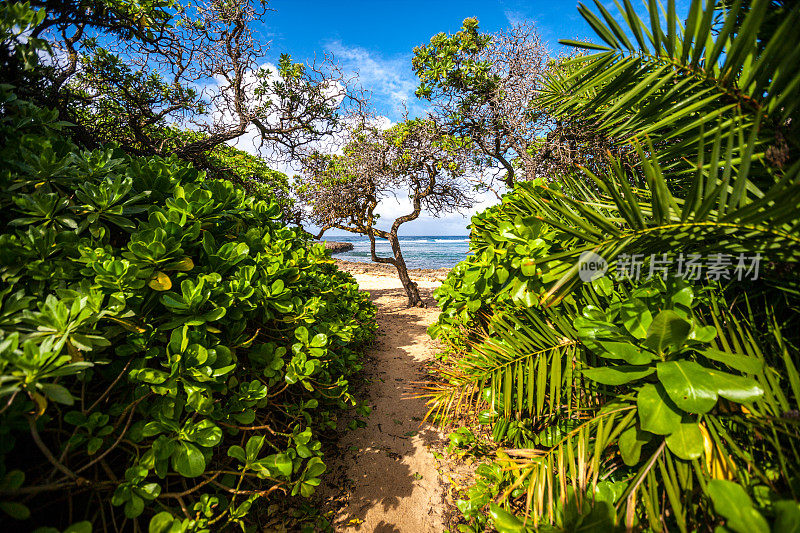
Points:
[379,467]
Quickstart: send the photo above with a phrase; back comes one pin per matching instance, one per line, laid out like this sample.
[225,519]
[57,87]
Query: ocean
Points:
[419,252]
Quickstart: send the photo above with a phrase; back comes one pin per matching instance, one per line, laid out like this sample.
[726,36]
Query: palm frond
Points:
[679,84]
[723,213]
[527,363]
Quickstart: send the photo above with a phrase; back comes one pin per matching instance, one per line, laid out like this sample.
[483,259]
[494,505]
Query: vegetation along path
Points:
[386,477]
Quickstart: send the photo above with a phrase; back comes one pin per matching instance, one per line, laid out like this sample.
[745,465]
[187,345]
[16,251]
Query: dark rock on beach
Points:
[338,247]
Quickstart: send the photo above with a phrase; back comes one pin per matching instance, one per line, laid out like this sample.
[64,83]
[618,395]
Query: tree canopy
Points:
[136,74]
[487,87]
[414,158]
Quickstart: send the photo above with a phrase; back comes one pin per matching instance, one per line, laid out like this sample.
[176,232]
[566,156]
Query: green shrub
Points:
[644,402]
[170,351]
[245,170]
[501,272]
[622,384]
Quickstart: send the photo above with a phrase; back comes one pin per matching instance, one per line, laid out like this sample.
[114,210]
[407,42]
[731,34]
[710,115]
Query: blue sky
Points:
[377,38]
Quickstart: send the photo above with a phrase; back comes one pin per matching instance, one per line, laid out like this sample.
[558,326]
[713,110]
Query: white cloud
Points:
[383,122]
[515,18]
[390,80]
[251,140]
[450,224]
[393,85]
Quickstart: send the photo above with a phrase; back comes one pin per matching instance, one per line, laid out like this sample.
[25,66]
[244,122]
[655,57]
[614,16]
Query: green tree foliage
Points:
[482,86]
[660,402]
[170,352]
[137,72]
[485,87]
[414,158]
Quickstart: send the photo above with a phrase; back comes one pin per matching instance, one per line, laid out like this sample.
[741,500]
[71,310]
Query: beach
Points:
[385,477]
[382,271]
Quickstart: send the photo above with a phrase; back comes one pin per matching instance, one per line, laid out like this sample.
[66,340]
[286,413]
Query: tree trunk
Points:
[414,299]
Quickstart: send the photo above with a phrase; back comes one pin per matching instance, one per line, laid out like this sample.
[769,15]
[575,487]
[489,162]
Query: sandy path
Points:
[386,478]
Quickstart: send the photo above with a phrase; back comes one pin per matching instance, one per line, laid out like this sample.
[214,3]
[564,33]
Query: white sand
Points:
[387,478]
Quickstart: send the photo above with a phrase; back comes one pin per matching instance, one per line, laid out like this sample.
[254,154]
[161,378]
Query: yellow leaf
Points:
[41,403]
[212,329]
[130,326]
[184,265]
[716,464]
[74,352]
[160,282]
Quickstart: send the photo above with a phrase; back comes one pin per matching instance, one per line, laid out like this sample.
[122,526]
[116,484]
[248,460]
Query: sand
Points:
[385,477]
[436,275]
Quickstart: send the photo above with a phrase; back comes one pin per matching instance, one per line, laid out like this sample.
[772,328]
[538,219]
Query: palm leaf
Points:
[629,92]
[724,213]
[530,357]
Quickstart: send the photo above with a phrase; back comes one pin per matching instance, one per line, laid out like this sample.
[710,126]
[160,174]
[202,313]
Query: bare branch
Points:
[415,157]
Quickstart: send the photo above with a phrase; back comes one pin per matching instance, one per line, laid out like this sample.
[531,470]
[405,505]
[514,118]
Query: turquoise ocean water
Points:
[419,252]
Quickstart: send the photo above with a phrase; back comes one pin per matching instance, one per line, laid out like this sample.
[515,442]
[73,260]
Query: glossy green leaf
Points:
[628,352]
[704,334]
[57,393]
[630,444]
[279,464]
[741,389]
[314,468]
[691,386]
[188,461]
[657,413]
[206,433]
[686,441]
[161,523]
[237,452]
[636,317]
[253,447]
[504,521]
[667,331]
[743,363]
[301,334]
[735,506]
[134,506]
[319,340]
[617,375]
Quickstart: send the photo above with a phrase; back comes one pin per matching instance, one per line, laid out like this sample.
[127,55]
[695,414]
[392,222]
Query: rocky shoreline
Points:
[337,247]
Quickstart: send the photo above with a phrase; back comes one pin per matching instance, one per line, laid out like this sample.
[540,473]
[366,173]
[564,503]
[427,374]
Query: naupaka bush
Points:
[169,350]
